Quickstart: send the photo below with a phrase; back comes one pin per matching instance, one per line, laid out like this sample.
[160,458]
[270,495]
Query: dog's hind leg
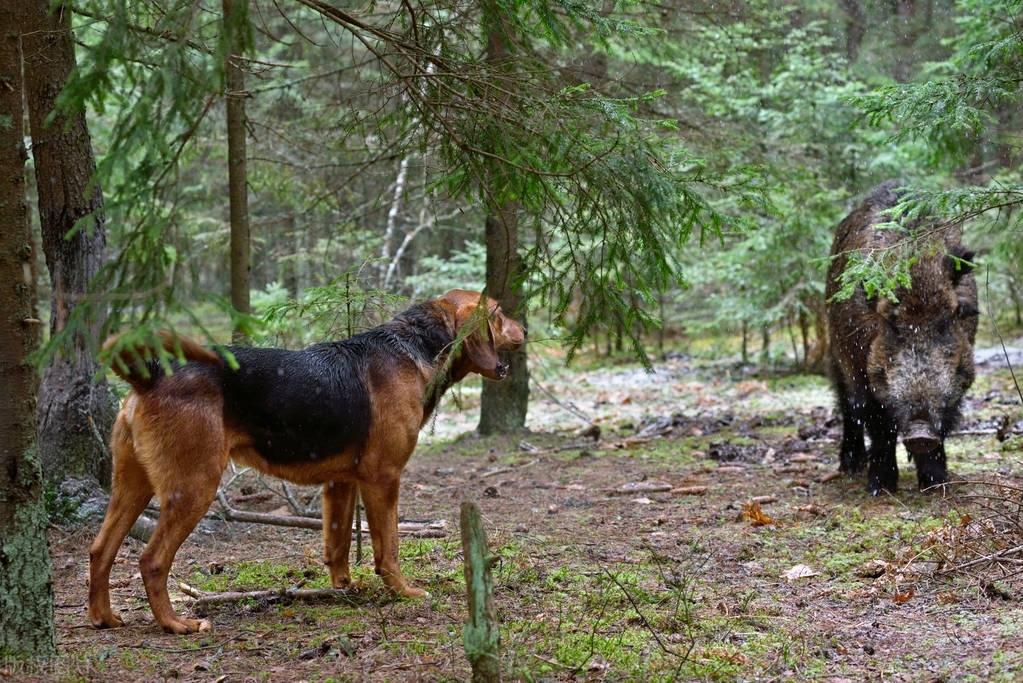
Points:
[129,493]
[381,501]
[338,510]
[186,472]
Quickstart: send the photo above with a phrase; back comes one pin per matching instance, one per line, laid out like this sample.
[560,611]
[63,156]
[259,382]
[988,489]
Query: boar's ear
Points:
[960,262]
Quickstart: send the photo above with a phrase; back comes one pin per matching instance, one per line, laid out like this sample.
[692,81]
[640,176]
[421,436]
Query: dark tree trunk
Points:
[855,28]
[818,360]
[26,592]
[907,29]
[765,344]
[235,18]
[804,332]
[75,412]
[504,404]
[745,342]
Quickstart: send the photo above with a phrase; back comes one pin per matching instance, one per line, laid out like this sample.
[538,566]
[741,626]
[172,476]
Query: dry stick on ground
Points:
[1000,555]
[985,432]
[413,529]
[657,636]
[300,594]
[567,406]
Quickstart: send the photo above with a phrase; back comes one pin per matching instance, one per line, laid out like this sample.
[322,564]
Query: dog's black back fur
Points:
[313,403]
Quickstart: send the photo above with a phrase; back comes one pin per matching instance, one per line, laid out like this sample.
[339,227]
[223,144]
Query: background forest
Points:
[773,115]
[635,179]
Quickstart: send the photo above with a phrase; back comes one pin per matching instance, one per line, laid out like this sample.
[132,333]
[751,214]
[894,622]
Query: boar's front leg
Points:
[931,469]
[852,455]
[882,470]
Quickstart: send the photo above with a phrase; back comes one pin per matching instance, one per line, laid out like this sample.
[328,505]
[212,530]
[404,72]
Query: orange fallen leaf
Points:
[900,598]
[752,512]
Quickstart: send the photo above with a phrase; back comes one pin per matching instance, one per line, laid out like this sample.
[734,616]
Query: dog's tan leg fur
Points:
[129,493]
[338,511]
[185,455]
[381,500]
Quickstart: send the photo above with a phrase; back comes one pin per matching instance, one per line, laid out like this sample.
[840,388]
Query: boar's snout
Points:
[921,438]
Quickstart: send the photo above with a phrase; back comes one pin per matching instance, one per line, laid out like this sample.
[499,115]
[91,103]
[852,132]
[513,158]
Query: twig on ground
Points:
[566,406]
[505,470]
[299,594]
[657,636]
[295,506]
[187,650]
[433,529]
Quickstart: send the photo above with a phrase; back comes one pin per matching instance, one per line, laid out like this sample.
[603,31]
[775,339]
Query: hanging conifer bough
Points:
[608,194]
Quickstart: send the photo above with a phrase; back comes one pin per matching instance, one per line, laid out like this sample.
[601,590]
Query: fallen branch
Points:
[690,490]
[257,497]
[1001,554]
[203,599]
[642,617]
[987,432]
[568,407]
[639,487]
[434,529]
[505,470]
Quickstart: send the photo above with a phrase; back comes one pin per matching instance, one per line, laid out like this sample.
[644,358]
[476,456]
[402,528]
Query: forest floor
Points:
[641,556]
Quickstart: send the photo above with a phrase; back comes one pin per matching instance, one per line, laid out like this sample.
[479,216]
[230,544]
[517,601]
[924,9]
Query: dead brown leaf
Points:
[799,571]
[900,598]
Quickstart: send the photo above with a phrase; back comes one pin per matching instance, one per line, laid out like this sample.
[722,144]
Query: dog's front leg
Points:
[338,510]
[381,501]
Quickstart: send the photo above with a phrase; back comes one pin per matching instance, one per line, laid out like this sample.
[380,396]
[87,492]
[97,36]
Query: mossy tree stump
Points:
[481,636]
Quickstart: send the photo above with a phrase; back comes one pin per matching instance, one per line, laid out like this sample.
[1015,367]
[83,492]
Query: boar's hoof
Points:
[930,482]
[878,484]
[850,465]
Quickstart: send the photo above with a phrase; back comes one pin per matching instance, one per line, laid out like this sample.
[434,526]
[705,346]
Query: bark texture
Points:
[75,412]
[503,404]
[235,16]
[855,27]
[26,593]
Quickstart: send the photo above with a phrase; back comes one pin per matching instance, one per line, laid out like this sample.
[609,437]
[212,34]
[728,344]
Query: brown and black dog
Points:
[342,414]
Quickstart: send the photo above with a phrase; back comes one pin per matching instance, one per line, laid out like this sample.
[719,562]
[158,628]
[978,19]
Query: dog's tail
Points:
[136,366]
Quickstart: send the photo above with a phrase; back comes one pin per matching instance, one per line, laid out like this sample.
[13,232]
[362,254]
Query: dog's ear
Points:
[473,325]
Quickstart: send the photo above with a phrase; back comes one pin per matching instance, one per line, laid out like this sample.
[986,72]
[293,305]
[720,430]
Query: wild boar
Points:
[901,367]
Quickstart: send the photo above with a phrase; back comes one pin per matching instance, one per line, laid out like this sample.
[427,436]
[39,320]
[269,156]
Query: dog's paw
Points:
[412,592]
[183,627]
[108,620]
[348,585]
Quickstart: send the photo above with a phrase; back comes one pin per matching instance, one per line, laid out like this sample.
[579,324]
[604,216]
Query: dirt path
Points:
[689,583]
